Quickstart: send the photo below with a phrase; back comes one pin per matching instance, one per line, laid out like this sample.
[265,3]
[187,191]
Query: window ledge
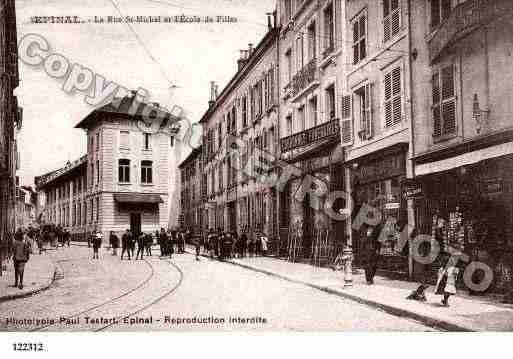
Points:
[148,184]
[124,183]
[329,57]
[446,137]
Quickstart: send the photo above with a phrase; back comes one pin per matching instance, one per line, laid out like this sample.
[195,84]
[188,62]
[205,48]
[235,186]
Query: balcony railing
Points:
[314,134]
[304,77]
[465,18]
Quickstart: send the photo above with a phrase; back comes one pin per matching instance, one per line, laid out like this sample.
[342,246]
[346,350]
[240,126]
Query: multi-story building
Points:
[376,116]
[121,183]
[10,117]
[463,133]
[247,109]
[191,199]
[311,73]
[25,207]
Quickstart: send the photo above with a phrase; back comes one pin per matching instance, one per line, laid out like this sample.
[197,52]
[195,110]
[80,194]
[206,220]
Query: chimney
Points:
[242,60]
[212,94]
[250,49]
[269,21]
[216,88]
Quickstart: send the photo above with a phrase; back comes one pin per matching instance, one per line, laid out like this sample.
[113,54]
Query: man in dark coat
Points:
[140,245]
[21,256]
[373,252]
[243,242]
[164,239]
[148,242]
[114,243]
[126,243]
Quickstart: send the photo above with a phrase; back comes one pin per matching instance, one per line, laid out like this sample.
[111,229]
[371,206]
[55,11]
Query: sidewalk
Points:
[466,313]
[39,275]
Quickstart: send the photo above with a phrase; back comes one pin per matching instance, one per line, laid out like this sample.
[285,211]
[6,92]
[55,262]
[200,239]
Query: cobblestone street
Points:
[177,294]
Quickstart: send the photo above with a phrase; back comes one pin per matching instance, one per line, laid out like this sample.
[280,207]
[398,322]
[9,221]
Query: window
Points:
[92,210]
[91,183]
[124,171]
[391,19]
[301,118]
[234,120]
[288,62]
[444,102]
[219,134]
[330,102]
[289,125]
[97,172]
[440,10]
[313,111]
[244,111]
[328,30]
[359,38]
[124,139]
[393,97]
[97,209]
[312,41]
[299,54]
[271,86]
[147,141]
[363,110]
[146,172]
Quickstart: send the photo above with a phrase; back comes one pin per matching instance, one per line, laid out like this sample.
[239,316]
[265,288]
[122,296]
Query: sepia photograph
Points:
[255,166]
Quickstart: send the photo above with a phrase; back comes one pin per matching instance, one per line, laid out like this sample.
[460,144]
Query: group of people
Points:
[167,240]
[226,245]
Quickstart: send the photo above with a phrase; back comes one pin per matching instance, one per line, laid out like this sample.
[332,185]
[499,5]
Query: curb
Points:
[429,321]
[34,291]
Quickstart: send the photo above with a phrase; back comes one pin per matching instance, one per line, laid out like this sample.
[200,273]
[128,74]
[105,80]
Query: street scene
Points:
[277,165]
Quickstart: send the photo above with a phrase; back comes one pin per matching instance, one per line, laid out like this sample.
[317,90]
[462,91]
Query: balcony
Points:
[304,78]
[464,19]
[312,135]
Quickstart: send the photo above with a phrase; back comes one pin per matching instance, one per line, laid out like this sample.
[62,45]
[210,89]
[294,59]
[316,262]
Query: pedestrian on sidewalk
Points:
[447,278]
[114,243]
[373,252]
[97,243]
[148,242]
[196,241]
[164,240]
[125,244]
[21,256]
[140,245]
[264,243]
[243,242]
[251,246]
[258,244]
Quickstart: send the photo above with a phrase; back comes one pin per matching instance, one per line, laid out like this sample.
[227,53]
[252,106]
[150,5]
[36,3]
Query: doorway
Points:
[135,223]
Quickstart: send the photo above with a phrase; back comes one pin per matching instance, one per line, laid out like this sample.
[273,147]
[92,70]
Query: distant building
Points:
[247,109]
[10,117]
[191,201]
[121,183]
[25,206]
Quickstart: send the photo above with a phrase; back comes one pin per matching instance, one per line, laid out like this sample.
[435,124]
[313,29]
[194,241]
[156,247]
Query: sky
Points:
[188,55]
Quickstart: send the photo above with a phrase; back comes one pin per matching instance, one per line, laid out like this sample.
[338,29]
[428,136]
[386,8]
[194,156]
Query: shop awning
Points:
[464,159]
[138,198]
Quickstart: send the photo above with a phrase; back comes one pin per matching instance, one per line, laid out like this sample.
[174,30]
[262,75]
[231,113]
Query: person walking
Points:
[264,243]
[258,244]
[97,243]
[196,241]
[243,242]
[140,245]
[125,244]
[67,237]
[447,278]
[164,248]
[114,243]
[373,252]
[148,242]
[21,256]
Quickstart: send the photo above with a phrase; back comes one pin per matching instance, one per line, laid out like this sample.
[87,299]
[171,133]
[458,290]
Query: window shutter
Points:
[368,110]
[388,102]
[395,18]
[448,100]
[437,118]
[346,126]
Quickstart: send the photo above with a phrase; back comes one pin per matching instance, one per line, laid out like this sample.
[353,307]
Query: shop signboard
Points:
[412,189]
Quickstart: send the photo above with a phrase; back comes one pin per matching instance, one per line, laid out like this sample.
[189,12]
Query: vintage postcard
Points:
[255,166]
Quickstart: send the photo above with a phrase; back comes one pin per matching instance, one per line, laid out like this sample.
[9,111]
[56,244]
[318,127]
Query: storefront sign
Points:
[392,205]
[389,166]
[412,189]
[492,186]
[325,130]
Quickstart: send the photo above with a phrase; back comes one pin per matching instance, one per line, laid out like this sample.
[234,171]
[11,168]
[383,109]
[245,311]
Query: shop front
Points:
[307,233]
[470,208]
[376,181]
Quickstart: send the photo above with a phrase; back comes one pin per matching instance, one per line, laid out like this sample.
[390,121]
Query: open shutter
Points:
[437,116]
[368,110]
[346,127]
[448,100]
[386,21]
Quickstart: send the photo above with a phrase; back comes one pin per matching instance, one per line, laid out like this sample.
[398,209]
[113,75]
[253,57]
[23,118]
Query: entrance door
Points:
[232,217]
[135,223]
